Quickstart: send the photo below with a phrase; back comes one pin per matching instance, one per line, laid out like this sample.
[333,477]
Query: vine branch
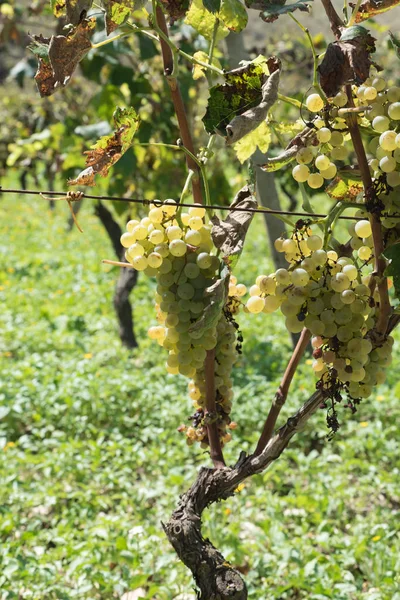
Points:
[281,394]
[180,111]
[374,219]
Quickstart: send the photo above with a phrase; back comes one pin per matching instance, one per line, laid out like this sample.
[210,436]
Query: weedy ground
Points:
[91,463]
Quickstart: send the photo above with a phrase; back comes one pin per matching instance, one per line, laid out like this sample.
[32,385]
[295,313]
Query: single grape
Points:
[139,263]
[379,83]
[381,124]
[154,260]
[364,253]
[387,164]
[324,135]
[193,237]
[387,140]
[304,156]
[337,139]
[204,260]
[322,162]
[315,180]
[330,172]
[255,304]
[127,239]
[340,99]
[301,173]
[394,111]
[363,228]
[197,211]
[314,103]
[370,93]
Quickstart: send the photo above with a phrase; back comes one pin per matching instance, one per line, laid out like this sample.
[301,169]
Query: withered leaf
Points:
[306,137]
[347,60]
[216,294]
[241,91]
[109,149]
[229,235]
[243,124]
[372,8]
[176,9]
[118,11]
[347,185]
[77,10]
[64,52]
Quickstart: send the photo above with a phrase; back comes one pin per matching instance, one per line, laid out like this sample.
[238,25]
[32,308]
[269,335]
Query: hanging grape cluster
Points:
[329,295]
[194,305]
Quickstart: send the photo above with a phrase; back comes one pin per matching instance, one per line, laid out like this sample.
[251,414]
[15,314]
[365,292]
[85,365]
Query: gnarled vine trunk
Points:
[215,578]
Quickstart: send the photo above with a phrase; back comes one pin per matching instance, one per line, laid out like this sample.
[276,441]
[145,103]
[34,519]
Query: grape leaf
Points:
[60,55]
[199,70]
[233,15]
[372,8]
[260,137]
[118,11]
[270,11]
[109,149]
[203,21]
[242,90]
[212,5]
[347,60]
[217,294]
[392,253]
[347,185]
[229,235]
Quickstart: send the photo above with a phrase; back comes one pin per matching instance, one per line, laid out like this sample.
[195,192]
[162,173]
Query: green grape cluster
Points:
[328,295]
[177,249]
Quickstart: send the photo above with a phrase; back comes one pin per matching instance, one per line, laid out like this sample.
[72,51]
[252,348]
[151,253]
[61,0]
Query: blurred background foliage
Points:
[90,461]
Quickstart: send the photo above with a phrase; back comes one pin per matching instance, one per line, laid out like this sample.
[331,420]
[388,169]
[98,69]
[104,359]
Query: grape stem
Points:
[374,219]
[281,394]
[197,168]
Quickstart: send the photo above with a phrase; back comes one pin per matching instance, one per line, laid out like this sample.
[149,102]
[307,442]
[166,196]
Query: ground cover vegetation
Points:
[338,291]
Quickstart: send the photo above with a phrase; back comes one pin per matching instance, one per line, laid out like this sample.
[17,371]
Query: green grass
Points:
[91,463]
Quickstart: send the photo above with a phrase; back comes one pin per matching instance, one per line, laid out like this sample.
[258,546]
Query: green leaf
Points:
[242,90]
[212,5]
[233,14]
[260,137]
[278,162]
[110,148]
[203,21]
[392,253]
[271,11]
[354,32]
[40,47]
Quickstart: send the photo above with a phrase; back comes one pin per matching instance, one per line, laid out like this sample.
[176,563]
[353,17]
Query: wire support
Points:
[146,202]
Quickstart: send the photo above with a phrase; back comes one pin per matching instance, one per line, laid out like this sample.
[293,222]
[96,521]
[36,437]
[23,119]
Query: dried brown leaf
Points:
[346,61]
[64,54]
[229,235]
[109,149]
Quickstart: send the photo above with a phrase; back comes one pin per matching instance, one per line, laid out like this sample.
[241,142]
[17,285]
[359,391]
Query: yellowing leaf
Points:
[233,14]
[203,21]
[198,70]
[260,137]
